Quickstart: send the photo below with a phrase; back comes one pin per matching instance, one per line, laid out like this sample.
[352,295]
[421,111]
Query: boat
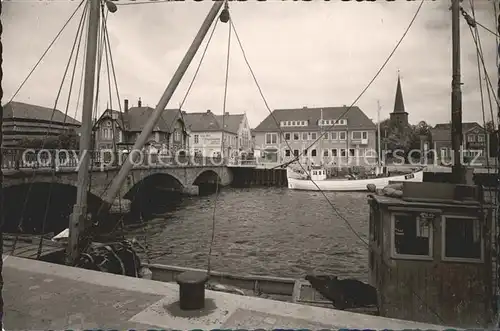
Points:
[317,180]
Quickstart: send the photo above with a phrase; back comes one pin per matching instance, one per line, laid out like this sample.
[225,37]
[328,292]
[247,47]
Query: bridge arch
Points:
[159,180]
[30,201]
[207,176]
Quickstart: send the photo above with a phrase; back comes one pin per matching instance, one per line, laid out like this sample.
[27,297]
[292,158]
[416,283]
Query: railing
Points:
[21,158]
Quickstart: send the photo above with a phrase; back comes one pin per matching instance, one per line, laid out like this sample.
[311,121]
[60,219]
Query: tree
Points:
[395,136]
[67,140]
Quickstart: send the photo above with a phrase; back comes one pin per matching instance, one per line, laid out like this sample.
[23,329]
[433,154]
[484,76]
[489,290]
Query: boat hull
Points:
[345,185]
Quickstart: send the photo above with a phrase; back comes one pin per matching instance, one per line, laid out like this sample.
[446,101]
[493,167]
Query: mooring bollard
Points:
[192,290]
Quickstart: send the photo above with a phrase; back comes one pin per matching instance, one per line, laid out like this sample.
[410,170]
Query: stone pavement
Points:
[42,296]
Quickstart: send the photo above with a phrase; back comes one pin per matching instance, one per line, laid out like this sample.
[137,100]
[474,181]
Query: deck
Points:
[27,246]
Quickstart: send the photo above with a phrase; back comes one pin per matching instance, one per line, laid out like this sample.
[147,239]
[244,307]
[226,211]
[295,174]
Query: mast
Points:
[167,95]
[378,134]
[456,97]
[79,215]
[321,138]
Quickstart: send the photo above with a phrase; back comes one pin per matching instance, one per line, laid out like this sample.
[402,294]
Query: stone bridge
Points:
[184,179]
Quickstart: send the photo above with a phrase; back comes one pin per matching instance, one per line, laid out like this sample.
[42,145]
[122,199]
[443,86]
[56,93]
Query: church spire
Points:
[399,106]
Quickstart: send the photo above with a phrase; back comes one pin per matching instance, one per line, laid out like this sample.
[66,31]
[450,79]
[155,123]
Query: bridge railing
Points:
[22,158]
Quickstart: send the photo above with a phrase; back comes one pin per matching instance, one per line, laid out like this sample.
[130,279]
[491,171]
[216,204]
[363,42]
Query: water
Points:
[264,231]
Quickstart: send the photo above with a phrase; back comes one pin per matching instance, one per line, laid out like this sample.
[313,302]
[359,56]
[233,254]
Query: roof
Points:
[136,118]
[231,121]
[399,105]
[356,118]
[20,110]
[442,131]
[209,122]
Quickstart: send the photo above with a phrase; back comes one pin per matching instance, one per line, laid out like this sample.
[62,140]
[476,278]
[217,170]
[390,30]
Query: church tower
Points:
[399,115]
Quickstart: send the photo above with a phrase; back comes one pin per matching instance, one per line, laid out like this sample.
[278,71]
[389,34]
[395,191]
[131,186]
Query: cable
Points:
[222,141]
[319,189]
[46,51]
[21,220]
[142,3]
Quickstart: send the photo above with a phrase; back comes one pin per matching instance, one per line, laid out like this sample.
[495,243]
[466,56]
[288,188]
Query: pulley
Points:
[224,15]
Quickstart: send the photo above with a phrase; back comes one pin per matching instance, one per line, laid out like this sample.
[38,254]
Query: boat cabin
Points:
[317,173]
[430,254]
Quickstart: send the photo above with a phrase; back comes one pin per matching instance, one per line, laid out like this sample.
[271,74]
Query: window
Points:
[196,139]
[296,136]
[325,152]
[296,152]
[444,152]
[471,138]
[287,136]
[342,152]
[313,152]
[334,152]
[356,135]
[352,152]
[364,135]
[313,135]
[177,136]
[461,238]
[341,122]
[304,152]
[325,135]
[334,135]
[480,138]
[412,235]
[271,138]
[294,123]
[304,136]
[342,135]
[287,152]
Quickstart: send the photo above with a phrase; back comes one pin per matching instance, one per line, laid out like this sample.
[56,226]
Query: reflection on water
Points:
[267,231]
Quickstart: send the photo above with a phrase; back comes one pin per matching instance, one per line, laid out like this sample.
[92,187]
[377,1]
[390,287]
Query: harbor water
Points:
[262,231]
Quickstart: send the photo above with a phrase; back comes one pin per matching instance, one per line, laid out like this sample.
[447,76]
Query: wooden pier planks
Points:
[27,246]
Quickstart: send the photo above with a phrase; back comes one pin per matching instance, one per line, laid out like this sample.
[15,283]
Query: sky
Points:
[315,54]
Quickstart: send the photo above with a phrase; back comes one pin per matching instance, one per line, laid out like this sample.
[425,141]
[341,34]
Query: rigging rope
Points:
[78,39]
[46,51]
[433,311]
[44,140]
[222,142]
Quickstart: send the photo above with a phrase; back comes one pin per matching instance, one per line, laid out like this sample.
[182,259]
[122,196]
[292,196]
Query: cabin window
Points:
[462,240]
[296,152]
[287,152]
[314,172]
[313,152]
[296,136]
[287,136]
[334,152]
[304,136]
[411,236]
[313,135]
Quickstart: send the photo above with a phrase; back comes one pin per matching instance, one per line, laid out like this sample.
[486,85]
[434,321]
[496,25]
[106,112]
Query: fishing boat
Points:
[317,180]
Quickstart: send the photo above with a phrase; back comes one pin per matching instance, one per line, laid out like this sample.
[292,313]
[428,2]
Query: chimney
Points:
[139,103]
[208,111]
[125,105]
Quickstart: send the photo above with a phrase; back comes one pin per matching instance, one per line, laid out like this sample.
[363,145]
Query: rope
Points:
[46,51]
[222,144]
[20,223]
[319,189]
[78,39]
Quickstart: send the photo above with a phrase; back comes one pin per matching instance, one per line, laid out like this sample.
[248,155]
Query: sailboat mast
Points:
[379,154]
[79,216]
[456,97]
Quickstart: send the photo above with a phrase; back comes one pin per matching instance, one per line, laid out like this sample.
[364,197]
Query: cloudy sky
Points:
[303,54]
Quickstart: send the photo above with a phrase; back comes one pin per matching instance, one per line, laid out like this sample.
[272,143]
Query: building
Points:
[399,115]
[22,121]
[238,123]
[475,143]
[206,133]
[349,138]
[120,130]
